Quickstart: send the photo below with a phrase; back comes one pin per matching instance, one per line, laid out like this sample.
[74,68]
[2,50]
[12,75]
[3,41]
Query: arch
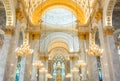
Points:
[37,14]
[57,44]
[57,36]
[107,12]
[10,12]
[63,53]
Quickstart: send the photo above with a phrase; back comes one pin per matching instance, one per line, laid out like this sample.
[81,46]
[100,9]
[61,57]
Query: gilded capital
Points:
[108,30]
[9,31]
[83,35]
[34,35]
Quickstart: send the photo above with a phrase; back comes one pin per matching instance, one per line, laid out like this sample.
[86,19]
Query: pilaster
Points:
[10,67]
[3,55]
[112,55]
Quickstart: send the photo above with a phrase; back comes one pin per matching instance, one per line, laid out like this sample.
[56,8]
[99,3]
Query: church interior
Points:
[59,40]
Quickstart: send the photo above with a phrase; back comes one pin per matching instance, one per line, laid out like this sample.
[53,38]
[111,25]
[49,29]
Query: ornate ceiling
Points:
[36,8]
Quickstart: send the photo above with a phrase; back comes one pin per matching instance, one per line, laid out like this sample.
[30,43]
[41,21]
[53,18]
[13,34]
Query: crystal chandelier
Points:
[24,49]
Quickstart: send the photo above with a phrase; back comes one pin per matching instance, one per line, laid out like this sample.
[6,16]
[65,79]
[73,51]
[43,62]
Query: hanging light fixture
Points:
[81,63]
[24,49]
[49,75]
[94,49]
[69,75]
[38,64]
[75,70]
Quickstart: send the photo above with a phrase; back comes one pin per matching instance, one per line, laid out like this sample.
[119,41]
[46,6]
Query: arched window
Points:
[59,68]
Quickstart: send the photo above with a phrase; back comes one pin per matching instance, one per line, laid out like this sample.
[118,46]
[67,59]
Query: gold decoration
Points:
[19,14]
[98,14]
[37,14]
[94,49]
[9,30]
[83,35]
[108,30]
[34,35]
[44,57]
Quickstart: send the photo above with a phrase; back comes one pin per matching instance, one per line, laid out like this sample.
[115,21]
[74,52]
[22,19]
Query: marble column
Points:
[83,57]
[91,67]
[3,55]
[112,55]
[22,69]
[35,57]
[29,60]
[10,68]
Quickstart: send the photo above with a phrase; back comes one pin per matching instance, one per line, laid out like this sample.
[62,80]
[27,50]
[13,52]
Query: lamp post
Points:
[38,64]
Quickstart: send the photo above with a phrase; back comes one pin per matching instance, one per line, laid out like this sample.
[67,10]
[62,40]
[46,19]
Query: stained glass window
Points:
[59,67]
[18,69]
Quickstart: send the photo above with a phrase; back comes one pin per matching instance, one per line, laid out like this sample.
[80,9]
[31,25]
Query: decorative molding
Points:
[34,35]
[98,14]
[109,30]
[19,14]
[83,33]
[9,31]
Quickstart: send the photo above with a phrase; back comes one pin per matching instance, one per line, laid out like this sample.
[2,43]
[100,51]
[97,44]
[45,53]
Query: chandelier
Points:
[38,64]
[24,49]
[43,70]
[69,75]
[49,75]
[81,63]
[94,50]
[75,70]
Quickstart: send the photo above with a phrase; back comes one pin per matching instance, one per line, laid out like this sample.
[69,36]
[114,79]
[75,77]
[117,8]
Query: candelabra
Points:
[24,49]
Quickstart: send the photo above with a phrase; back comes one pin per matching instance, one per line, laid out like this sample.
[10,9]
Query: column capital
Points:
[9,30]
[34,35]
[83,33]
[109,30]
